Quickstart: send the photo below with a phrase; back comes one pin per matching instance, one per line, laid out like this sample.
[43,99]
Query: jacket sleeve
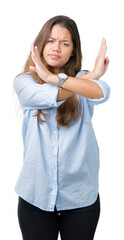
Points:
[33,95]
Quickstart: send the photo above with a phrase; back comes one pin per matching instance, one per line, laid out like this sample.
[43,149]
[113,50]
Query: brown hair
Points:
[71,108]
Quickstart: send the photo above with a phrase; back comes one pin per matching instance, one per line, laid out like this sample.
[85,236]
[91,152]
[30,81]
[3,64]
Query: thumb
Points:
[32,68]
[106,60]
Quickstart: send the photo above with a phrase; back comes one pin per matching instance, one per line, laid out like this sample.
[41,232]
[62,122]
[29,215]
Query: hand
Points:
[101,63]
[39,68]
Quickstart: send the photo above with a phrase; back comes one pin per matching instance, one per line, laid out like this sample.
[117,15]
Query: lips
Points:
[54,56]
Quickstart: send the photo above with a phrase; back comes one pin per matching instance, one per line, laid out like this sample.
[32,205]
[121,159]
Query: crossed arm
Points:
[81,85]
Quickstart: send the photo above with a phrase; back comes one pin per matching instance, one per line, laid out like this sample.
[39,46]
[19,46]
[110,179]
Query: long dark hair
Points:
[71,108]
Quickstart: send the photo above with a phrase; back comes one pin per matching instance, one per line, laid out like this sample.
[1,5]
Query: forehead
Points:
[60,32]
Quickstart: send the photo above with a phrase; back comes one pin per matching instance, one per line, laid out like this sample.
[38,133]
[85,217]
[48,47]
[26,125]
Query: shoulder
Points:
[25,75]
[82,72]
[22,80]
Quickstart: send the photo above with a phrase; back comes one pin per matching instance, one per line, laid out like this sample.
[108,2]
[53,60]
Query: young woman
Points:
[58,183]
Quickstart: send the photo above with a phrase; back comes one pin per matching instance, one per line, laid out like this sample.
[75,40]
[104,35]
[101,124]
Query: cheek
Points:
[68,52]
[67,56]
[45,51]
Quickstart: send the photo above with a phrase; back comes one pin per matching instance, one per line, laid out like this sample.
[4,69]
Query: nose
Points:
[56,47]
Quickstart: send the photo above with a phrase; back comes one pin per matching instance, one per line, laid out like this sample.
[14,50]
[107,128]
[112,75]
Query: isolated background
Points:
[20,22]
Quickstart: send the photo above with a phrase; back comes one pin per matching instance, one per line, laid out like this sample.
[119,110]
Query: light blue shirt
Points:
[60,165]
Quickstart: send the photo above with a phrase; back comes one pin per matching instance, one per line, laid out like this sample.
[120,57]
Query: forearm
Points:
[80,85]
[64,94]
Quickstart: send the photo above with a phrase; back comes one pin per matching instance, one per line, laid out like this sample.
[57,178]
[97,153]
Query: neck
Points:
[57,70]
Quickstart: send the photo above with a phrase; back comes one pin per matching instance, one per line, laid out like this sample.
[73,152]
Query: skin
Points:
[56,53]
[58,49]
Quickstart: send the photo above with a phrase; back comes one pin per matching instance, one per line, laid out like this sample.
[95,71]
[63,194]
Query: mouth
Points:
[54,56]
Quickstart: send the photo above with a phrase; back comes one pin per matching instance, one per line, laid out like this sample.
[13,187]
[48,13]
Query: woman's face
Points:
[59,48]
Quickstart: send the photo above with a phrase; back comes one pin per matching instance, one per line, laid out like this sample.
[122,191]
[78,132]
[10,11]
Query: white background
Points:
[20,23]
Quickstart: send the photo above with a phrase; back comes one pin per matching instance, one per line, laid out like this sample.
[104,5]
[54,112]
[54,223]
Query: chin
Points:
[53,65]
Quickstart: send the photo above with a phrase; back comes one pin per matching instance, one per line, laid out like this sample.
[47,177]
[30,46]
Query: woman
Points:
[58,183]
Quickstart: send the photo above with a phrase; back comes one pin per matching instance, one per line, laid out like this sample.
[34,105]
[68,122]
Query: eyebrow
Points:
[61,40]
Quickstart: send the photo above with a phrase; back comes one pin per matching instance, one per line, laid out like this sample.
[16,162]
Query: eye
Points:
[50,41]
[65,44]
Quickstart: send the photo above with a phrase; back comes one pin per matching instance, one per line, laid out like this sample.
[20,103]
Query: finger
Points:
[32,48]
[100,49]
[33,51]
[103,53]
[32,68]
[35,59]
[103,48]
[37,53]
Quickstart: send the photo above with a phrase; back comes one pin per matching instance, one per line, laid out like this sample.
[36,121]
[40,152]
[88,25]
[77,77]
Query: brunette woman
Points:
[58,184]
